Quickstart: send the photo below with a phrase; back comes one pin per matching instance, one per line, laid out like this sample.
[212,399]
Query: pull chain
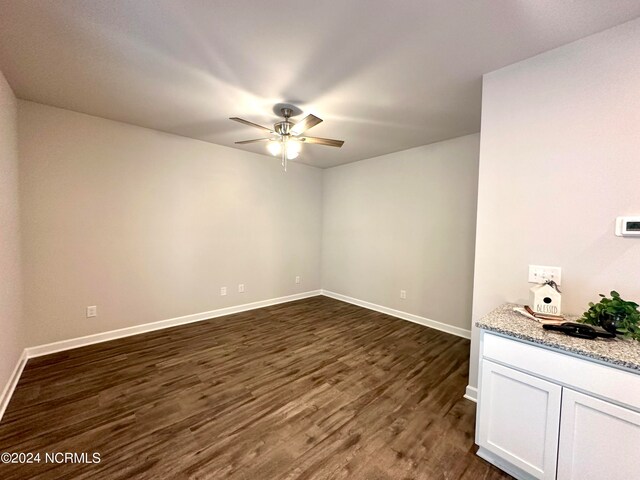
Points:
[284,153]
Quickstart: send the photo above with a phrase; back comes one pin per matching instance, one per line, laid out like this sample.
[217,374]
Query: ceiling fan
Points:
[286,136]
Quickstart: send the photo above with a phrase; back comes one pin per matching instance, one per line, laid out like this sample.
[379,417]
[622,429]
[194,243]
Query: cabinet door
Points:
[519,418]
[598,440]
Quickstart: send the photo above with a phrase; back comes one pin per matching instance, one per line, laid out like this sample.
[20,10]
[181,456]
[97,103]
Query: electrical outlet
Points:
[92,311]
[542,274]
[241,288]
[297,278]
[223,291]
[403,294]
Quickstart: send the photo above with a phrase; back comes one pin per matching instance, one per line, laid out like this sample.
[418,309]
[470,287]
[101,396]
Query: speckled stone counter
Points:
[621,352]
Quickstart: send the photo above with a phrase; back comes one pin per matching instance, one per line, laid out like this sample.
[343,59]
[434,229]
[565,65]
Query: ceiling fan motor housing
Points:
[283,128]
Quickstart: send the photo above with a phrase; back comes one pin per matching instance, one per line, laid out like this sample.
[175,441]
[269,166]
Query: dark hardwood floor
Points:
[313,389]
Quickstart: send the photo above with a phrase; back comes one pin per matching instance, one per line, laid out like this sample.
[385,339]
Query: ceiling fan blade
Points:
[305,124]
[251,124]
[329,142]
[252,141]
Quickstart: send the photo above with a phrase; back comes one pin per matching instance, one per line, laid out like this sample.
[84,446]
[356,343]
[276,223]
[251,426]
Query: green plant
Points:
[626,313]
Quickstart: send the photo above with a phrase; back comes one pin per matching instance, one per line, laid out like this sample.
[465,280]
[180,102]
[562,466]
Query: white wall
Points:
[11,326]
[148,226]
[559,160]
[405,221]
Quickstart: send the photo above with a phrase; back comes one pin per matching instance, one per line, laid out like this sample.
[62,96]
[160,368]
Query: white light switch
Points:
[542,274]
[241,288]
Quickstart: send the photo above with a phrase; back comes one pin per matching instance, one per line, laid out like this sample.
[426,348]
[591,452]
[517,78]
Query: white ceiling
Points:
[384,75]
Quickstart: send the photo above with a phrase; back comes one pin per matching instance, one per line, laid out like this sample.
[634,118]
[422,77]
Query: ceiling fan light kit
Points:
[286,139]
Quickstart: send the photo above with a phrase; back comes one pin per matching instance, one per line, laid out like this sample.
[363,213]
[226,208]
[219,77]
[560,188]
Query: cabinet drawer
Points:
[600,380]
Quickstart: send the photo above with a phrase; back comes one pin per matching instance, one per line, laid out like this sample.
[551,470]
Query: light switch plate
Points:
[542,274]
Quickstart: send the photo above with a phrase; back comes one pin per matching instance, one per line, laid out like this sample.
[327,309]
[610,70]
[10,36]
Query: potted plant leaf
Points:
[615,315]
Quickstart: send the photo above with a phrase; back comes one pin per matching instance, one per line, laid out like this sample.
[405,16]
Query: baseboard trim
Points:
[72,343]
[427,322]
[471,393]
[10,387]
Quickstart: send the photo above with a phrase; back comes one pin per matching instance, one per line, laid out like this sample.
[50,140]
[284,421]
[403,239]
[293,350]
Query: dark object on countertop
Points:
[611,323]
[579,330]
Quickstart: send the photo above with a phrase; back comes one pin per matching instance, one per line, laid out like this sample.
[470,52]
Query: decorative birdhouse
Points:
[545,299]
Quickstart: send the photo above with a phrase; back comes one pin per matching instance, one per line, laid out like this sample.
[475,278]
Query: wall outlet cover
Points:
[542,274]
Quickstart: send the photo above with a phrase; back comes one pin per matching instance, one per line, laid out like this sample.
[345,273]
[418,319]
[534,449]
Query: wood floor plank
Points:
[314,389]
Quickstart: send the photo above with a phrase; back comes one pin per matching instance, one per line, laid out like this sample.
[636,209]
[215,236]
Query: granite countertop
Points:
[618,352]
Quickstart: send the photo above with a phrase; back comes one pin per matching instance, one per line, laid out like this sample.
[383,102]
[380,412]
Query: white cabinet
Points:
[519,419]
[598,440]
[544,414]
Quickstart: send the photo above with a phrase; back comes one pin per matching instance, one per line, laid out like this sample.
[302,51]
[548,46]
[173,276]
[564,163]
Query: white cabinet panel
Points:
[598,440]
[519,417]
